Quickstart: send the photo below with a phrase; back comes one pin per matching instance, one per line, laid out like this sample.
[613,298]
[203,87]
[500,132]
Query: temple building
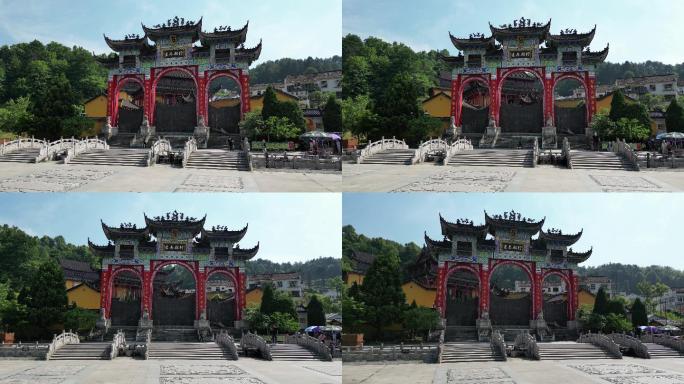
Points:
[165,273]
[462,267]
[172,82]
[503,83]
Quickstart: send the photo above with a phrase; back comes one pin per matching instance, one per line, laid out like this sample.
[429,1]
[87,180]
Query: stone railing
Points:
[440,345]
[253,341]
[190,147]
[427,353]
[83,146]
[567,155]
[161,147]
[58,341]
[20,350]
[625,150]
[380,145]
[312,344]
[457,146]
[498,345]
[665,340]
[48,151]
[118,345]
[431,146]
[225,340]
[527,343]
[21,143]
[603,342]
[632,343]
[143,338]
[535,152]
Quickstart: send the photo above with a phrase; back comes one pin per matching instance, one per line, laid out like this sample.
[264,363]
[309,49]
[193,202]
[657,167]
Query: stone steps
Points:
[657,351]
[82,351]
[493,158]
[468,353]
[21,156]
[599,160]
[218,159]
[187,351]
[571,351]
[391,157]
[291,352]
[132,157]
[174,334]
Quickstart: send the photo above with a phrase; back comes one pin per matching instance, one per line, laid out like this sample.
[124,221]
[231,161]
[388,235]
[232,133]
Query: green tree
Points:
[617,323]
[674,117]
[80,320]
[291,111]
[332,115]
[639,316]
[283,322]
[420,320]
[46,299]
[355,78]
[650,292]
[421,128]
[252,125]
[603,126]
[271,104]
[381,291]
[601,303]
[314,312]
[631,130]
[268,300]
[616,306]
[354,111]
[618,105]
[257,321]
[280,128]
[354,312]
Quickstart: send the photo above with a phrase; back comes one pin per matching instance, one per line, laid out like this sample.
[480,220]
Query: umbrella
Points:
[669,328]
[313,328]
[315,135]
[670,135]
[335,136]
[332,328]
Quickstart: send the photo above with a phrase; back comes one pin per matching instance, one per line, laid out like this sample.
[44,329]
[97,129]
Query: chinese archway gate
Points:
[526,51]
[506,240]
[179,241]
[183,72]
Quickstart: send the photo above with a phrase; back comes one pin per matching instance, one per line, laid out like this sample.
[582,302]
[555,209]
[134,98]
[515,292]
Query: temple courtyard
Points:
[517,371]
[52,177]
[127,370]
[544,178]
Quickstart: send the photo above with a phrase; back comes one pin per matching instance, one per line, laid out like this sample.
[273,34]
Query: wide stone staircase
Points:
[493,158]
[82,351]
[391,157]
[600,161]
[460,333]
[187,351]
[133,157]
[291,352]
[218,159]
[27,155]
[571,351]
[468,353]
[174,334]
[657,351]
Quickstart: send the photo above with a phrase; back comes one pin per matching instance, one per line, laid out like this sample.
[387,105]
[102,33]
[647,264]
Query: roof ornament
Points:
[555,231]
[127,226]
[464,222]
[477,35]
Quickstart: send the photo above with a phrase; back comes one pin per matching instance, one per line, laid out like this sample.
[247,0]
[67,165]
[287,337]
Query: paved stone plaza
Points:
[129,371]
[435,178]
[517,371]
[19,177]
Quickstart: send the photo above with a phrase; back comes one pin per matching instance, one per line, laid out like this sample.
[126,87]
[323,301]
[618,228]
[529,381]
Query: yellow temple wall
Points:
[84,297]
[423,297]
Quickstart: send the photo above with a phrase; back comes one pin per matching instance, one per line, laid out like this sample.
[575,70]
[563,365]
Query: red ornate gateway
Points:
[166,88]
[469,255]
[520,75]
[140,264]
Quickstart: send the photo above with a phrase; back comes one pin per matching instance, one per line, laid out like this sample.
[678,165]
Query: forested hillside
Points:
[323,268]
[275,71]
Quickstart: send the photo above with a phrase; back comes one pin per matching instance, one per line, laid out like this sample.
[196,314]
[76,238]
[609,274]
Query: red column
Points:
[573,301]
[202,96]
[243,298]
[536,292]
[245,98]
[484,290]
[105,275]
[147,292]
[549,84]
[147,99]
[495,96]
[152,97]
[201,292]
[591,96]
[112,100]
[441,285]
[456,100]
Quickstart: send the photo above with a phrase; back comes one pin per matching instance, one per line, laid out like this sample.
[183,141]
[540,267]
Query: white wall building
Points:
[672,300]
[285,282]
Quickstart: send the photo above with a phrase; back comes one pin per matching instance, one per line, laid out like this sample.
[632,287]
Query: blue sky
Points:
[642,229]
[637,30]
[289,28]
[290,227]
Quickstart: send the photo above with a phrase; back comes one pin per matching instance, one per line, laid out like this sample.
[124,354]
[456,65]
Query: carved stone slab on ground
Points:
[52,374]
[208,380]
[625,184]
[211,183]
[478,376]
[332,370]
[461,181]
[200,370]
[629,373]
[54,180]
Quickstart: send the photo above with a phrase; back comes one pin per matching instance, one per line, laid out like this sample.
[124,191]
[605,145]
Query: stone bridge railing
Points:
[48,151]
[380,145]
[21,350]
[527,344]
[498,345]
[567,155]
[432,146]
[58,341]
[665,340]
[625,150]
[83,146]
[632,343]
[143,338]
[312,344]
[253,341]
[22,143]
[118,345]
[603,342]
[535,152]
[225,340]
[161,147]
[457,146]
[190,147]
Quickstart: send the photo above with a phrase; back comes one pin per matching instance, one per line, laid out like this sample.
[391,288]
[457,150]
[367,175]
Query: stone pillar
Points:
[245,98]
